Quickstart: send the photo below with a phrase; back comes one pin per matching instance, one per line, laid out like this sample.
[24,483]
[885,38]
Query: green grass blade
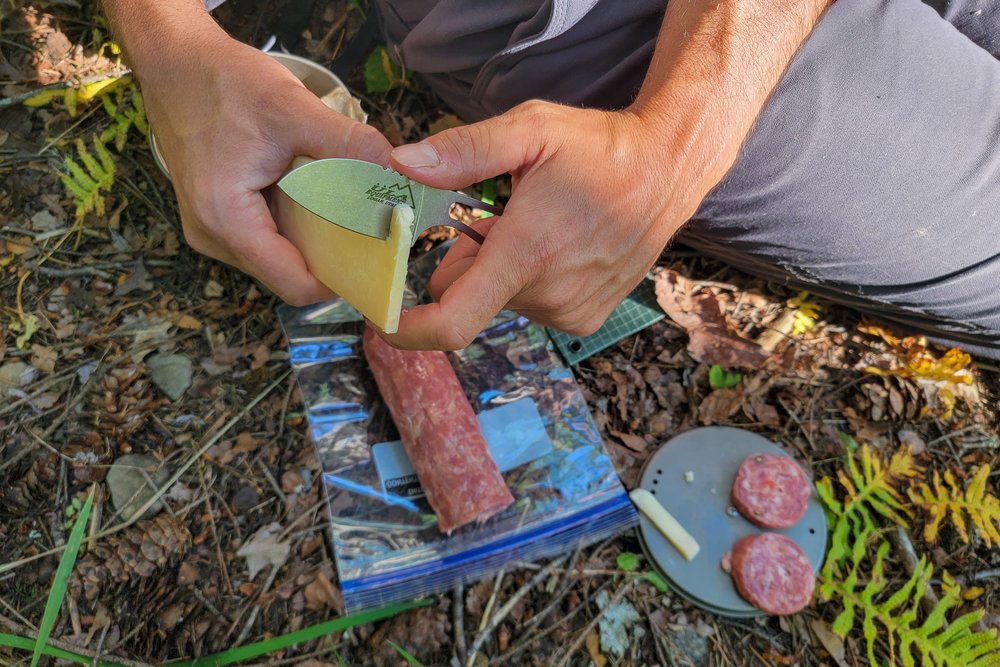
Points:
[58,591]
[406,655]
[14,641]
[305,634]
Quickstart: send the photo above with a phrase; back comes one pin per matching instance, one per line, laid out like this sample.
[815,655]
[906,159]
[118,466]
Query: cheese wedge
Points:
[366,272]
[665,522]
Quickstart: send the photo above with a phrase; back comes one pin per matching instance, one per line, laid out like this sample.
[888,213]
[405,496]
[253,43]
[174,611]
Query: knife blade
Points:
[360,196]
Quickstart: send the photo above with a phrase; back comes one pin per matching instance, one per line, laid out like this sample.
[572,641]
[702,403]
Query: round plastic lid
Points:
[692,475]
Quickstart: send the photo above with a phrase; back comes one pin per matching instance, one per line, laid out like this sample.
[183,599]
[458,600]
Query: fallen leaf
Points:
[138,281]
[594,649]
[720,405]
[213,290]
[188,322]
[133,479]
[44,221]
[321,592]
[264,549]
[634,442]
[913,441]
[245,443]
[710,338]
[833,644]
[43,358]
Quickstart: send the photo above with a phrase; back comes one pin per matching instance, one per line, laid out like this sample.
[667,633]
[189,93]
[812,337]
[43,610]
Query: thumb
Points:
[461,156]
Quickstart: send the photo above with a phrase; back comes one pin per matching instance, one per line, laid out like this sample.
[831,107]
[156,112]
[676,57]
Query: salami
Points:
[439,432]
[771,573]
[771,491]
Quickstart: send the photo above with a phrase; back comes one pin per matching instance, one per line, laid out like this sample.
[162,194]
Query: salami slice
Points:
[772,573]
[439,432]
[771,491]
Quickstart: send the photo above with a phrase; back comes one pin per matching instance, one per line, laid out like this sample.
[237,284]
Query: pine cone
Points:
[34,487]
[125,402]
[133,554]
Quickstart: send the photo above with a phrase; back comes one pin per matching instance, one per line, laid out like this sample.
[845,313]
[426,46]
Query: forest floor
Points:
[89,303]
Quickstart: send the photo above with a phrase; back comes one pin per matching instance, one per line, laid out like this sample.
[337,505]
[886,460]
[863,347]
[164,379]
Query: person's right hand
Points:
[228,120]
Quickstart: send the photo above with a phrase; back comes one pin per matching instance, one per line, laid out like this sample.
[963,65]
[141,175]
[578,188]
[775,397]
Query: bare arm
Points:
[229,120]
[597,195]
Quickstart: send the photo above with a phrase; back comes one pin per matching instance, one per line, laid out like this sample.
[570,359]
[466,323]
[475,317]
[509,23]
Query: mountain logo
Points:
[390,194]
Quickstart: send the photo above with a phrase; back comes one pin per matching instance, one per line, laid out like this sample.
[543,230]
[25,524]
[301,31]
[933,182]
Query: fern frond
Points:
[941,501]
[933,641]
[87,182]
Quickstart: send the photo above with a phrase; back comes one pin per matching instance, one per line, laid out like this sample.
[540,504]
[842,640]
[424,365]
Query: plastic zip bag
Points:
[535,420]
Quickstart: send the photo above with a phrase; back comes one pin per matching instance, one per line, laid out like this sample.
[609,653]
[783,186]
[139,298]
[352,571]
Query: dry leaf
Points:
[720,405]
[43,358]
[594,649]
[634,442]
[321,592]
[445,122]
[710,338]
[188,322]
[264,549]
[139,280]
[244,443]
[913,441]
[833,644]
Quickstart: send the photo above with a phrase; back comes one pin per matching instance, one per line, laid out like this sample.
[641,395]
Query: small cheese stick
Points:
[661,518]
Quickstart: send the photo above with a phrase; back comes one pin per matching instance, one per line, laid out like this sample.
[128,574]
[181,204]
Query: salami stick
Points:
[439,432]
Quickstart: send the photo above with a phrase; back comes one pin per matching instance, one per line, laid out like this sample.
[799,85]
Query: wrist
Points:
[156,36]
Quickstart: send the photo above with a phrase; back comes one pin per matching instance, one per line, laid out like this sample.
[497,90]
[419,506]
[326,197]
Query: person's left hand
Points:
[596,196]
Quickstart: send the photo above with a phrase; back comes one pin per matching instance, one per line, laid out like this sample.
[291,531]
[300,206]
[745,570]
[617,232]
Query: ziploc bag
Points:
[535,420]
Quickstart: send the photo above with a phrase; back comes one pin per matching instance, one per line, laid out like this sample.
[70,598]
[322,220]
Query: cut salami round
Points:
[771,491]
[772,573]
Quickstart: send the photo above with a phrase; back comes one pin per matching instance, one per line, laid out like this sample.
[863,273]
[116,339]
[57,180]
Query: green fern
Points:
[942,501]
[127,111]
[935,642]
[86,182]
[869,485]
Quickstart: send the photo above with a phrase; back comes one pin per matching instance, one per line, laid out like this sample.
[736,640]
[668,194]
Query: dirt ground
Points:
[91,306]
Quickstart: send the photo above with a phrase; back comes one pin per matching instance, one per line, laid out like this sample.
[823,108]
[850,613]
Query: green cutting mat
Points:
[635,313]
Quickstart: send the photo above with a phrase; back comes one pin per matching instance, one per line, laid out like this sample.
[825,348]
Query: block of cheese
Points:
[366,272]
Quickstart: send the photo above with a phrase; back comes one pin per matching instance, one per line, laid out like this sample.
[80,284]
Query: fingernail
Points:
[417,155]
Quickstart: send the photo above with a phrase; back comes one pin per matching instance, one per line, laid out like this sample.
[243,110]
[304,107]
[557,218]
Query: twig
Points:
[954,434]
[215,532]
[100,645]
[582,636]
[560,596]
[505,659]
[72,272]
[503,611]
[256,607]
[163,489]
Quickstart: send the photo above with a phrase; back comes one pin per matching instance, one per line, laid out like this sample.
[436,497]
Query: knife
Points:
[360,196]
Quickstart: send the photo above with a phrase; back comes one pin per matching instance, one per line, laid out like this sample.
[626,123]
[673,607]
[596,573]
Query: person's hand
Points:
[593,204]
[229,120]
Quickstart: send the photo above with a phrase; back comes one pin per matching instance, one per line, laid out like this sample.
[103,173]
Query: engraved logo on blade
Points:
[390,194]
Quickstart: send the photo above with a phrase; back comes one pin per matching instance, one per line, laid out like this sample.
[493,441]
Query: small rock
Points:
[688,647]
[127,480]
[244,499]
[171,373]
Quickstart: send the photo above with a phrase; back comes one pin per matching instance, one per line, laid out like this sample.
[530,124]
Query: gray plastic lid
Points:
[710,457]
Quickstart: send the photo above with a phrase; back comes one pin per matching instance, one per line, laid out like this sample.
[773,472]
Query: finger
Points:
[465,308]
[321,132]
[272,259]
[457,260]
[461,156]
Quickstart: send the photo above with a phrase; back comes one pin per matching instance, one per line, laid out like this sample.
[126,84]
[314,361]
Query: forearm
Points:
[153,33]
[713,69]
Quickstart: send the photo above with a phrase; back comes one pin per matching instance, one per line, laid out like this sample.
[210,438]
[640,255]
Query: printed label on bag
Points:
[514,433]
